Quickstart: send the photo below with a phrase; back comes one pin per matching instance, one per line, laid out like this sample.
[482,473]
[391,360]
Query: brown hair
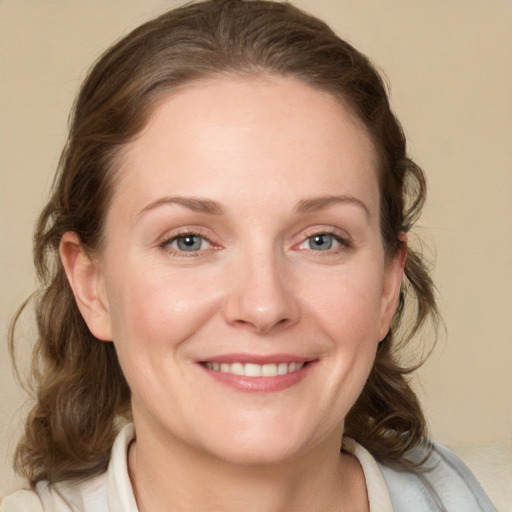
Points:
[81,392]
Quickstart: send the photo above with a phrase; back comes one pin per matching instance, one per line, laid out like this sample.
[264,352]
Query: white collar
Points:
[122,499]
[378,493]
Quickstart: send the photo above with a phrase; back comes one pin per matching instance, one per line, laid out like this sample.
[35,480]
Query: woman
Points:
[224,270]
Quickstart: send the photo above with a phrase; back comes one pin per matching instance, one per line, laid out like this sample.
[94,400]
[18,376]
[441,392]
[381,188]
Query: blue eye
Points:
[321,242]
[324,242]
[188,243]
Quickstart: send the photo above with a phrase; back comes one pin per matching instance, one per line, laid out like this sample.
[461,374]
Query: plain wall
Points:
[449,64]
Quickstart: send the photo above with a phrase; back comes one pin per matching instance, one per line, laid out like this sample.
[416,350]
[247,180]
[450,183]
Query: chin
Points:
[268,443]
[265,452]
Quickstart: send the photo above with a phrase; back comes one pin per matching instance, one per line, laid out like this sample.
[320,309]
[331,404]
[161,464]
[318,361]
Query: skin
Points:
[250,167]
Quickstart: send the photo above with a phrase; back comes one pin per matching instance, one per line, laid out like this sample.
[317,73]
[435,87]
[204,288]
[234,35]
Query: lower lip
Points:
[261,384]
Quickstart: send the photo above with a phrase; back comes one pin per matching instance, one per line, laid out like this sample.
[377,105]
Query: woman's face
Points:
[243,281]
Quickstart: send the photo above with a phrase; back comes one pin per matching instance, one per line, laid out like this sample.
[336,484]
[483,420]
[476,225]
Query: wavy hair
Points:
[81,394]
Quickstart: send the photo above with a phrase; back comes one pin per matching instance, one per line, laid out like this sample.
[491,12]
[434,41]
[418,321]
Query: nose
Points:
[262,296]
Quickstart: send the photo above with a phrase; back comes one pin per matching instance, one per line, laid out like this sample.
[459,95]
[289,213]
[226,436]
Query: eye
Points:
[323,242]
[187,242]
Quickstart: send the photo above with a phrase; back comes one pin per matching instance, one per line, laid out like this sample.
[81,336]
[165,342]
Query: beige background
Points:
[449,64]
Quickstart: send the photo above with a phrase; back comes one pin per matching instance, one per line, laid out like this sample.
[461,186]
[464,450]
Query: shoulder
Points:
[69,496]
[444,483]
[22,501]
[106,492]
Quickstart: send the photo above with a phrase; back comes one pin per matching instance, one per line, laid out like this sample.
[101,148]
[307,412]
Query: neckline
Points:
[121,496]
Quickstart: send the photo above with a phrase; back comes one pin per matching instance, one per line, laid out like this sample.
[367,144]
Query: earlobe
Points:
[86,280]
[394,273]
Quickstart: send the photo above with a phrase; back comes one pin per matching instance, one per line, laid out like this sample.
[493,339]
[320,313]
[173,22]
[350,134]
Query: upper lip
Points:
[257,359]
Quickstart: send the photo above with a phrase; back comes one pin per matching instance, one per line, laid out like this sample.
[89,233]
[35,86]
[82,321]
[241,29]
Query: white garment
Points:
[448,487]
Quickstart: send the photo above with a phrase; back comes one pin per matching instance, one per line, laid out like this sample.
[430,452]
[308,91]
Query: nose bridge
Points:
[262,295]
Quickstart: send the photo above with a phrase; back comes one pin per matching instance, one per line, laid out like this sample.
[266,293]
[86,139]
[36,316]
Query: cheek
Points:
[155,308]
[347,303]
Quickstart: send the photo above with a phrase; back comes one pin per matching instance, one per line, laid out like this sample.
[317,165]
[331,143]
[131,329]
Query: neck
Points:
[167,475]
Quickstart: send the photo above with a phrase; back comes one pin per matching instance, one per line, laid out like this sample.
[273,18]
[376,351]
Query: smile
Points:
[258,373]
[255,370]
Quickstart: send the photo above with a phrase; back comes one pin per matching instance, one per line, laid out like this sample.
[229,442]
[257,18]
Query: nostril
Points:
[262,325]
[261,299]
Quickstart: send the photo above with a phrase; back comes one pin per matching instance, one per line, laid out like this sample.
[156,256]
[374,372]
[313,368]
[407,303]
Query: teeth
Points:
[269,370]
[252,370]
[282,368]
[236,369]
[255,370]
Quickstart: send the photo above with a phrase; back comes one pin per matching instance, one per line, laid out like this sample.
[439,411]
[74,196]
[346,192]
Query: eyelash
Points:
[166,244]
[344,243]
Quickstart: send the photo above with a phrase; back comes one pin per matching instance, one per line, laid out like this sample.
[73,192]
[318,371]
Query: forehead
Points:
[249,136]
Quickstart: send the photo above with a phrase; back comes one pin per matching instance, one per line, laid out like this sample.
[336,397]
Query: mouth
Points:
[246,373]
[255,370]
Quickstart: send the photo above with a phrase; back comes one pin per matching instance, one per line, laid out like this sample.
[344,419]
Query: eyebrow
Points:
[320,203]
[210,207]
[195,204]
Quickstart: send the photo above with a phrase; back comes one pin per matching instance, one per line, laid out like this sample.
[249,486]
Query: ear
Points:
[393,275]
[87,282]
